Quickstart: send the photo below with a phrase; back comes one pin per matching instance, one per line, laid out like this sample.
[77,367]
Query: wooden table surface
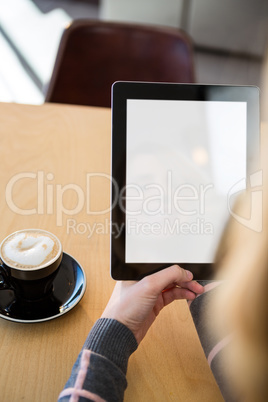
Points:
[55,159]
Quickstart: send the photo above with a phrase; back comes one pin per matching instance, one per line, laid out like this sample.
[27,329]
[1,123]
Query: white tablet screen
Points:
[183,160]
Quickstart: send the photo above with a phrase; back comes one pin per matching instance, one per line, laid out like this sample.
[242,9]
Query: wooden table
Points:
[48,156]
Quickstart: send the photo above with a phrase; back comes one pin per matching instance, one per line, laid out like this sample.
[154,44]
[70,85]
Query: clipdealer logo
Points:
[254,219]
[49,198]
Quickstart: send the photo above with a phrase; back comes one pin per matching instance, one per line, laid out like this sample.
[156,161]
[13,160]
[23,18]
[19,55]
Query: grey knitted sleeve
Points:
[99,373]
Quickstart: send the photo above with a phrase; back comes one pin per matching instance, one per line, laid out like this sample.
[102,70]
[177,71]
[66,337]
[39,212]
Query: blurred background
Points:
[229,38]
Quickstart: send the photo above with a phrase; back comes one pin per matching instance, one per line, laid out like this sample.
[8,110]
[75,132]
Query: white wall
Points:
[232,25]
[160,12]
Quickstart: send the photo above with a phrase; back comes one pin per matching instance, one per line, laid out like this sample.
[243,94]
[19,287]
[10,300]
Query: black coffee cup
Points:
[30,262]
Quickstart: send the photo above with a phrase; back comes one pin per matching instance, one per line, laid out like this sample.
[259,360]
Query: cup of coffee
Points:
[30,262]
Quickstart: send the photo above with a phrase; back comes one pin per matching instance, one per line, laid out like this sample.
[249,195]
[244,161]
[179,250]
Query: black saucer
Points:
[68,289]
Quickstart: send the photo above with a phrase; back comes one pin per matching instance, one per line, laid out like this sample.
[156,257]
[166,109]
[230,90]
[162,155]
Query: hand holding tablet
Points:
[180,154]
[150,296]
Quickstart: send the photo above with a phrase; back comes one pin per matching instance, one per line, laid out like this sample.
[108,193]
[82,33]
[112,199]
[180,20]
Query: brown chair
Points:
[94,54]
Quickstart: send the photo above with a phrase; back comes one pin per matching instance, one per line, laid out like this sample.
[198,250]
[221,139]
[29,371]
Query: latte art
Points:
[29,249]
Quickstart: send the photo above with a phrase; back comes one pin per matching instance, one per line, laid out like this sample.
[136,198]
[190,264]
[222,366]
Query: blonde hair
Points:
[241,306]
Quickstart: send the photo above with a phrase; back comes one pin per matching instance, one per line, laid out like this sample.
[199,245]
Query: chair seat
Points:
[94,54]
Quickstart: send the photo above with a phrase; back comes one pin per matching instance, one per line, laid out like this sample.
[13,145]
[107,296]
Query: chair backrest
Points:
[94,54]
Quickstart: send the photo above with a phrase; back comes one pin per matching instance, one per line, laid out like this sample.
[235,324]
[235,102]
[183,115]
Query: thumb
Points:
[173,275]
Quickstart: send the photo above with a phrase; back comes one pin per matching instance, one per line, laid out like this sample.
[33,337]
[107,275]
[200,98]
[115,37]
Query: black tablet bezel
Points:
[121,92]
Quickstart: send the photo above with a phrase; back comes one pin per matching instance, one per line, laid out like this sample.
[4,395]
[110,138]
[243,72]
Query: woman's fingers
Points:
[173,275]
[177,293]
[193,286]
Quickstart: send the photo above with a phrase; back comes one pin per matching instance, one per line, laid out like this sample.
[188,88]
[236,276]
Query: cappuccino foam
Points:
[29,249]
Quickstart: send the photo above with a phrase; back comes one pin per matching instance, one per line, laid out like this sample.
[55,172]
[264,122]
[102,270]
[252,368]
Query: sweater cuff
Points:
[112,340]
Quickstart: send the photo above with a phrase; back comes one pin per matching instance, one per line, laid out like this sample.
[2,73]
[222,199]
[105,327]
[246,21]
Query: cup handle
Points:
[4,281]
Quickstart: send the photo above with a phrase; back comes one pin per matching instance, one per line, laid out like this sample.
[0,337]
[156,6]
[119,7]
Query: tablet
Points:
[180,155]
